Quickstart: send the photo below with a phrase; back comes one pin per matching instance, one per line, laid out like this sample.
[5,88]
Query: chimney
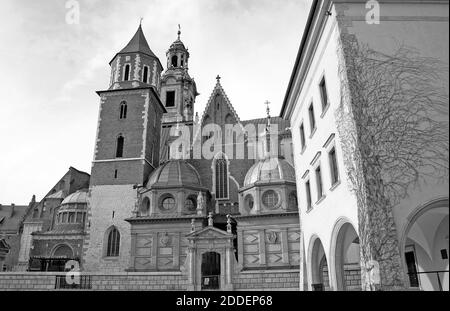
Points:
[12,209]
[33,200]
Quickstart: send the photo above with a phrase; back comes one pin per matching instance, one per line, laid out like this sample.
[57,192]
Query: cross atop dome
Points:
[218,79]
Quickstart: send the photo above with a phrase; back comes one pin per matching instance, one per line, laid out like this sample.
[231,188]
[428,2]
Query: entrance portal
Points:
[211,270]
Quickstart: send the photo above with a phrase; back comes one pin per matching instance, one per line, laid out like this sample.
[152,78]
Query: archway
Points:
[347,266]
[425,247]
[319,267]
[63,251]
[211,270]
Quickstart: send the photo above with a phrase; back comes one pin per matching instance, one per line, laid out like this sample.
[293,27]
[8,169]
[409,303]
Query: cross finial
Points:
[267,103]
[218,79]
[229,223]
[179,31]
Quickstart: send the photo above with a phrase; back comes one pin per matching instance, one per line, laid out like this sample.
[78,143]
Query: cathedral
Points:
[195,218]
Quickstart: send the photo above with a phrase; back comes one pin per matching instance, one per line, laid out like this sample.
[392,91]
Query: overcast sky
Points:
[50,71]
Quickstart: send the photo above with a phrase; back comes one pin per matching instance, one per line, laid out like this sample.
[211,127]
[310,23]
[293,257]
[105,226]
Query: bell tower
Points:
[178,92]
[126,152]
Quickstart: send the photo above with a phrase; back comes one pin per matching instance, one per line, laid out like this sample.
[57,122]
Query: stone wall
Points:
[247,280]
[265,280]
[116,281]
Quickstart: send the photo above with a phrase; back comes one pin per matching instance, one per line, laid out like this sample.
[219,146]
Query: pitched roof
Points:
[137,44]
[13,223]
[218,89]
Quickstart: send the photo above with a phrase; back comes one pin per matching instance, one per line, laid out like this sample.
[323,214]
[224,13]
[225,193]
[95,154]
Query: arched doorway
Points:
[426,247]
[211,270]
[347,258]
[319,267]
[63,251]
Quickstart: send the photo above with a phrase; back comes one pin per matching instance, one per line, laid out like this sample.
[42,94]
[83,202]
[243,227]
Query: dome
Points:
[174,173]
[177,44]
[270,170]
[78,197]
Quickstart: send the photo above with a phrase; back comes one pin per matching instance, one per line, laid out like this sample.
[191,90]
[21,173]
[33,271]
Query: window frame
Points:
[112,243]
[174,98]
[225,176]
[122,145]
[324,97]
[312,119]
[144,78]
[302,136]
[126,77]
[334,167]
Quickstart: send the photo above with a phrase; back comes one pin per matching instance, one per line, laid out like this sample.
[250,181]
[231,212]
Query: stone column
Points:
[191,267]
[229,266]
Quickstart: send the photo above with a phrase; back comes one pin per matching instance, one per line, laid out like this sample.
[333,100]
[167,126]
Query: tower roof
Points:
[137,44]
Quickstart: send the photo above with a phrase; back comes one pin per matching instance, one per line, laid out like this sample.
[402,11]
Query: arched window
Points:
[145,74]
[112,249]
[119,150]
[174,61]
[221,177]
[123,110]
[36,213]
[126,74]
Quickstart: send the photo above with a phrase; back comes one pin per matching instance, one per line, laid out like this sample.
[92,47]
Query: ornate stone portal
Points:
[202,244]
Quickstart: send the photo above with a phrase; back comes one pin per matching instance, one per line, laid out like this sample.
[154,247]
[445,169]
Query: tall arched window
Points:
[112,249]
[123,110]
[145,74]
[174,61]
[126,74]
[221,177]
[119,150]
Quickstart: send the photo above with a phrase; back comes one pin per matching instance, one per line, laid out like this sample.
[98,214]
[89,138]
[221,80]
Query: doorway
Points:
[211,270]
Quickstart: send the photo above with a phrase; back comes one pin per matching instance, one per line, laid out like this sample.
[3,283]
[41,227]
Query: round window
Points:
[168,203]
[270,199]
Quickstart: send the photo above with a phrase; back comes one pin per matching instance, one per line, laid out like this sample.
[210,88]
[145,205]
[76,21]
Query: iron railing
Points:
[85,282]
[416,274]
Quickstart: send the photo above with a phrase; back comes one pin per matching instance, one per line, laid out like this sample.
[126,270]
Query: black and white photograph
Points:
[224,153]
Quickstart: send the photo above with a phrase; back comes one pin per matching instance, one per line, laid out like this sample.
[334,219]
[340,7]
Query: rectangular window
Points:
[302,136]
[312,119]
[308,194]
[170,98]
[145,74]
[319,183]
[333,166]
[323,93]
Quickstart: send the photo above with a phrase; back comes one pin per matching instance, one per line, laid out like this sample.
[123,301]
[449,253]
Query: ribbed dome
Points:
[79,197]
[174,173]
[270,170]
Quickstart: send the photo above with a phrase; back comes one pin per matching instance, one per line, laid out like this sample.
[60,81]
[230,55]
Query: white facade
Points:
[422,25]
